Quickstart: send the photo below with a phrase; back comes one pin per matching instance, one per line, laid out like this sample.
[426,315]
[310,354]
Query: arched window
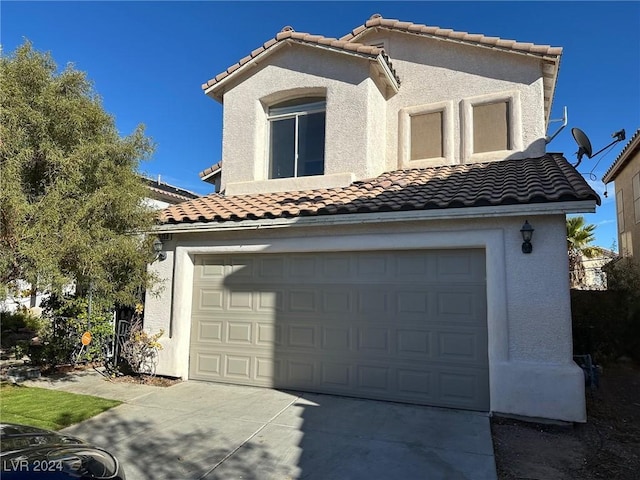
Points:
[296,137]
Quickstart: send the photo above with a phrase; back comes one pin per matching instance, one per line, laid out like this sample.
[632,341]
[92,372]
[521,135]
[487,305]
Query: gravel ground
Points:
[606,447]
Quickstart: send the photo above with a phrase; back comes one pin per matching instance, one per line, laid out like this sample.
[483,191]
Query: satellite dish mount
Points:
[584,144]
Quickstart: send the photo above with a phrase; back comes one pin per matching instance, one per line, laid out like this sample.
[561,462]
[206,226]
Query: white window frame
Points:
[404,133]
[294,111]
[514,126]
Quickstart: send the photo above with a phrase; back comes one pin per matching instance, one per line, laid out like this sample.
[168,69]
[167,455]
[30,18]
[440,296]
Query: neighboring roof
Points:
[536,180]
[630,149]
[551,55]
[210,172]
[288,35]
[167,191]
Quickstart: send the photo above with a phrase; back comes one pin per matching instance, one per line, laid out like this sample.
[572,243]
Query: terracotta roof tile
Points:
[394,24]
[213,168]
[300,37]
[551,54]
[536,180]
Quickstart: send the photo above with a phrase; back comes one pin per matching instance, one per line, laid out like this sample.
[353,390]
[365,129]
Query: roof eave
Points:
[546,208]
[217,89]
[630,149]
[391,79]
[207,176]
[549,79]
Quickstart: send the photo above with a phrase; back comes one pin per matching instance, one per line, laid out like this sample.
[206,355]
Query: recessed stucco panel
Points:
[433,71]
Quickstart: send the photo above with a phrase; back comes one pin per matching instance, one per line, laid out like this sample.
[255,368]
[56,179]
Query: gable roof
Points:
[536,180]
[631,148]
[550,55]
[209,174]
[288,35]
[163,191]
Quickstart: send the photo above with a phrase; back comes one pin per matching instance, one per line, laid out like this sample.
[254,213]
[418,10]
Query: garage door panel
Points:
[460,266]
[301,336]
[462,388]
[210,299]
[404,326]
[303,267]
[338,338]
[458,347]
[373,341]
[413,267]
[414,343]
[208,331]
[336,267]
[372,265]
[338,301]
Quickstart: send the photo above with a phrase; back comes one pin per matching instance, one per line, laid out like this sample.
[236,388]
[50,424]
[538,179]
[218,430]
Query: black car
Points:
[33,453]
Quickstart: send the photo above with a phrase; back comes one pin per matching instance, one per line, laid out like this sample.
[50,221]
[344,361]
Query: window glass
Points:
[311,144]
[283,150]
[426,136]
[297,136]
[491,127]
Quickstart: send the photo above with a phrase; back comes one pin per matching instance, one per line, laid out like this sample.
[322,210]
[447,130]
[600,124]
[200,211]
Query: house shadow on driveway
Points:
[324,436]
[261,320]
[201,430]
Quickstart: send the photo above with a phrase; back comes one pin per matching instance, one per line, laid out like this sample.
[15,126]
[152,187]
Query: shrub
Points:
[18,330]
[67,319]
[140,349]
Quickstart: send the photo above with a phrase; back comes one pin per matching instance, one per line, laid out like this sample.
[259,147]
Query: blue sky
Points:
[149,59]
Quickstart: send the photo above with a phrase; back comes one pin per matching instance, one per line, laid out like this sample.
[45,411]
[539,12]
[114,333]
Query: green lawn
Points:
[48,409]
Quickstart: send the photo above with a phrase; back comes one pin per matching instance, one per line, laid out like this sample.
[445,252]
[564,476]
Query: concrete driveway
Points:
[198,430]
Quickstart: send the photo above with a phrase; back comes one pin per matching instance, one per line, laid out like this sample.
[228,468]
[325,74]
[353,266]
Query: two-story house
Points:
[625,173]
[370,237]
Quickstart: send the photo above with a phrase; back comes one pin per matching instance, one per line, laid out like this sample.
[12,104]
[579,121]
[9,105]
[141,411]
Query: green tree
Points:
[579,239]
[71,207]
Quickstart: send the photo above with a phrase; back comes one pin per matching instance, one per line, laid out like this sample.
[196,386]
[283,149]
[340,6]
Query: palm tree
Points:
[579,238]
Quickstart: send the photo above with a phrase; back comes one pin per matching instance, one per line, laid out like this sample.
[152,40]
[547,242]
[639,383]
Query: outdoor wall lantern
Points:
[157,247]
[527,232]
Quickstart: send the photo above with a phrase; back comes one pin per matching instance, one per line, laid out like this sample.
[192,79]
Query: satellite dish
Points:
[584,145]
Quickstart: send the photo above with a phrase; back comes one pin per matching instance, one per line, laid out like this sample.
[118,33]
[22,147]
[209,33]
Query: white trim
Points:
[551,208]
[384,66]
[404,135]
[491,240]
[209,175]
[287,113]
[515,126]
[295,110]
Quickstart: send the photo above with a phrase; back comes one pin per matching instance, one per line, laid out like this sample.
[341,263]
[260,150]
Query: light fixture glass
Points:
[527,234]
[157,248]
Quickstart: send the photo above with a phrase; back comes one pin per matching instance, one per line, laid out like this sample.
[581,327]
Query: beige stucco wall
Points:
[631,228]
[362,127]
[354,119]
[528,308]
[434,71]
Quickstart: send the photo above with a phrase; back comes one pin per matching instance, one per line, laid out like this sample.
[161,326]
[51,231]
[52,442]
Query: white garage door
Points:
[406,326]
